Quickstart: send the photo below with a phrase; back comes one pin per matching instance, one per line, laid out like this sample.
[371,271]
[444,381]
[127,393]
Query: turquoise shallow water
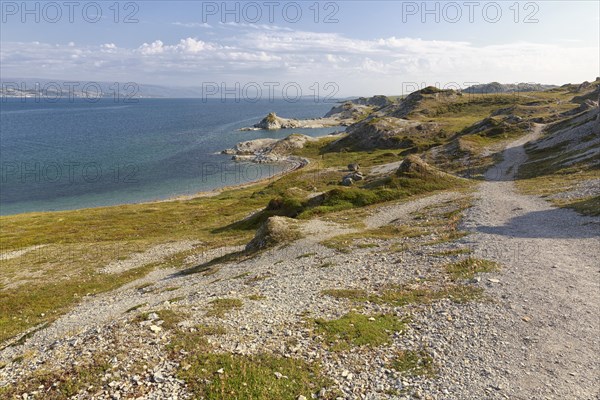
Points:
[77,154]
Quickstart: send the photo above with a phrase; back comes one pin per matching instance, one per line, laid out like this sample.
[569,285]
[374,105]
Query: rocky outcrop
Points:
[274,231]
[270,150]
[274,122]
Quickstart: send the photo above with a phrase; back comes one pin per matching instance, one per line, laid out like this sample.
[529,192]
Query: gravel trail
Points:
[549,290]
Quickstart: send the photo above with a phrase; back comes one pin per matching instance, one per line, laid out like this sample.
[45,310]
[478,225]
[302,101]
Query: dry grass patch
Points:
[414,362]
[467,268]
[220,307]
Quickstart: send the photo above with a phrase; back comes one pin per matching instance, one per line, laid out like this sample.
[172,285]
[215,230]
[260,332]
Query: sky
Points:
[346,47]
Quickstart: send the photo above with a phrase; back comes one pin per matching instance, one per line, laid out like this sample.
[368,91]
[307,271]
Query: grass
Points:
[258,278]
[469,267]
[170,318]
[586,206]
[440,220]
[326,265]
[344,243]
[210,330]
[256,297]
[307,255]
[355,329]
[144,286]
[220,307]
[250,377]
[355,294]
[43,302]
[63,384]
[409,294]
[223,376]
[170,289]
[136,307]
[414,362]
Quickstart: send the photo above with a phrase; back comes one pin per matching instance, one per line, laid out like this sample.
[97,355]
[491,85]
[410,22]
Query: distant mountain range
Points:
[32,87]
[56,88]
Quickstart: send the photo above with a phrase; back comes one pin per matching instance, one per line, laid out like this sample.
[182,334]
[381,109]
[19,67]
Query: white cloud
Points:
[156,47]
[185,46]
[358,66]
[193,24]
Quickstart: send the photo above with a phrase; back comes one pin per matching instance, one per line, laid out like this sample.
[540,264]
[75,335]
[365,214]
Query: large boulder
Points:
[354,167]
[274,231]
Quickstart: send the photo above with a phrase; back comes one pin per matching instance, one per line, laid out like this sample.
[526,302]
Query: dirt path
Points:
[549,289]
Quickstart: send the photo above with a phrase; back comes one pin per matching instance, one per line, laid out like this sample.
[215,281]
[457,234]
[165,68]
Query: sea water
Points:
[75,153]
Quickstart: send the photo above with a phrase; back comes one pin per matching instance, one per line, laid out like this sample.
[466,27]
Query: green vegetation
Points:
[43,302]
[65,383]
[258,278]
[467,268]
[356,294]
[256,297]
[327,265]
[222,376]
[170,318]
[414,362]
[358,330]
[587,206]
[344,243]
[210,330]
[409,294]
[250,377]
[220,307]
[136,307]
[307,255]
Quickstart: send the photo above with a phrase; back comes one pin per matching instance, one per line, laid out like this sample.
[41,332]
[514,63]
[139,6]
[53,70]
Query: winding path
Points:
[549,288]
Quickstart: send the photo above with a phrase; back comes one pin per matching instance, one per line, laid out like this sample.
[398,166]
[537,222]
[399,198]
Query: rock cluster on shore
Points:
[270,150]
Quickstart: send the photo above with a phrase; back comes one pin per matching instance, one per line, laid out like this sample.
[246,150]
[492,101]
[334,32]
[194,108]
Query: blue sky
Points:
[366,47]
